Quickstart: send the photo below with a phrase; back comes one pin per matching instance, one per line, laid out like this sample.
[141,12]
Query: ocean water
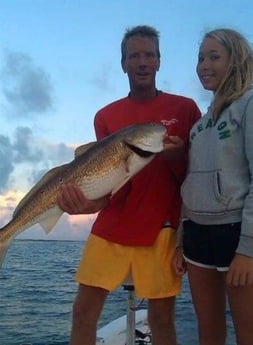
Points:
[37,289]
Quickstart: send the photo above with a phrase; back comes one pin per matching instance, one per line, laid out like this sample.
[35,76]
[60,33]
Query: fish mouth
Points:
[138,151]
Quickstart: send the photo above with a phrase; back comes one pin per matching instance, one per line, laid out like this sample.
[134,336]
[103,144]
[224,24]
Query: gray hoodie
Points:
[218,188]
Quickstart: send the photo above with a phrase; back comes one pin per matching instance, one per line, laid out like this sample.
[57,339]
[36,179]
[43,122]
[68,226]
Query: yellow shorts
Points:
[106,264]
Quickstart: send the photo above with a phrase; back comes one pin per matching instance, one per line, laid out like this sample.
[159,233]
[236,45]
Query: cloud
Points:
[27,170]
[7,205]
[25,158]
[68,228]
[6,161]
[32,158]
[26,87]
[80,225]
[75,227]
[23,146]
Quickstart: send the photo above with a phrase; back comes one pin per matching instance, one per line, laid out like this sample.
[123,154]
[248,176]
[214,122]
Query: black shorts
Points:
[211,246]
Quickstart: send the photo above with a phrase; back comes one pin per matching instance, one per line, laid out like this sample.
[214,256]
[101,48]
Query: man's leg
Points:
[155,279]
[161,321]
[86,311]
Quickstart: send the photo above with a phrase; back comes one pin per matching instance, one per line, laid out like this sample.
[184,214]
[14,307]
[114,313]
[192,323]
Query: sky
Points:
[60,63]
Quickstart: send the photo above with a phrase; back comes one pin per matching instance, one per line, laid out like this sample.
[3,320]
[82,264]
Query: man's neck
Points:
[143,94]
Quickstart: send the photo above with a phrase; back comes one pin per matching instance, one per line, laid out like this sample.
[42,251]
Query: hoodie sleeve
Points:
[246,240]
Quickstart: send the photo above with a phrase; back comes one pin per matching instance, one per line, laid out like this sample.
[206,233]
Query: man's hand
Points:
[174,147]
[72,200]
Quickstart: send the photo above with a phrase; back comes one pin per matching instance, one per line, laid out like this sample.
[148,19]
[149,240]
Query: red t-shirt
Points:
[137,212]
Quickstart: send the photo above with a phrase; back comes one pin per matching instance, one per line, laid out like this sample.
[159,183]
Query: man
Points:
[134,233]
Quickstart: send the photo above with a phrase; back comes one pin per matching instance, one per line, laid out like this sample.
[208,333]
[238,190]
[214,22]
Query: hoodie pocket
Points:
[201,193]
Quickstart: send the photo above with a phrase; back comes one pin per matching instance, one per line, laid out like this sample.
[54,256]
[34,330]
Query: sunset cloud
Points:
[75,227]
[29,157]
[24,159]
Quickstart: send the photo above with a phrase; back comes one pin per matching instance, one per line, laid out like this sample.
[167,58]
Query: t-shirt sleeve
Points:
[101,130]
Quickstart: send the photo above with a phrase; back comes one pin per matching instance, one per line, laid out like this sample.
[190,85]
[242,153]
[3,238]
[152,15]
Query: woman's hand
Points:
[240,272]
[179,262]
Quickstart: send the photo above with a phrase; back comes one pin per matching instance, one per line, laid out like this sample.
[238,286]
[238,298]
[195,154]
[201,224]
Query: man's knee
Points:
[83,315]
[161,312]
[88,305]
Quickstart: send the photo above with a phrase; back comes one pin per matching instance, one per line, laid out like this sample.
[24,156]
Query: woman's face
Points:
[213,62]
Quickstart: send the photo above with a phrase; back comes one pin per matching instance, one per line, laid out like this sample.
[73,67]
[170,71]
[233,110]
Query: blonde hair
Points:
[239,75]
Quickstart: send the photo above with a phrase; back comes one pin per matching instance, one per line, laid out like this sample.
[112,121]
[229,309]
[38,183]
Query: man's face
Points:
[141,63]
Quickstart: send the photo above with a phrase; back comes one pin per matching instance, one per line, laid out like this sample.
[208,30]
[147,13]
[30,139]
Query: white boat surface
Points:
[116,332]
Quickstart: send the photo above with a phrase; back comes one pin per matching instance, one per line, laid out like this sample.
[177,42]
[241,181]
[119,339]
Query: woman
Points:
[217,222]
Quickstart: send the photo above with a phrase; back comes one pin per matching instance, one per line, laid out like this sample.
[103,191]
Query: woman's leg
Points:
[208,294]
[241,305]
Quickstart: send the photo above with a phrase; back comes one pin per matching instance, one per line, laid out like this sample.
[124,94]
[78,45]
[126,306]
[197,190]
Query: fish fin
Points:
[50,218]
[3,250]
[83,148]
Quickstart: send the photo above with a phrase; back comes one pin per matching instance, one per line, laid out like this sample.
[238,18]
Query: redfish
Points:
[99,168]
